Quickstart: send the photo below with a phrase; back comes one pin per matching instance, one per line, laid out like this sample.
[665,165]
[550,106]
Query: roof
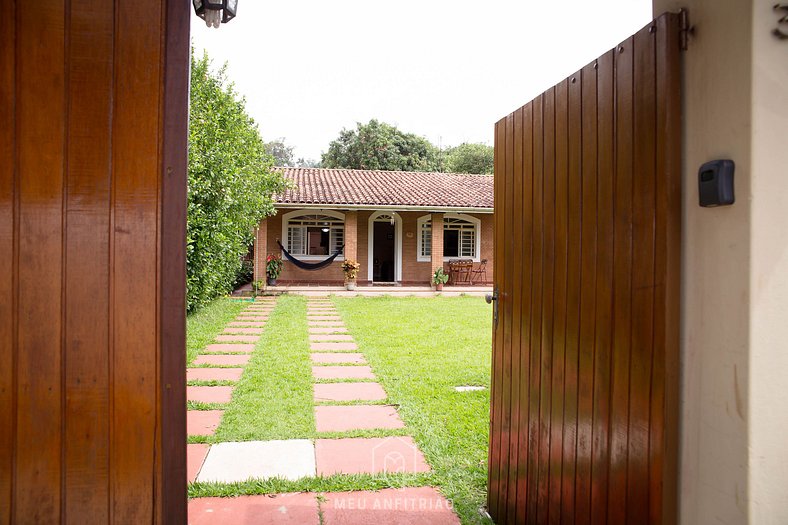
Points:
[386,189]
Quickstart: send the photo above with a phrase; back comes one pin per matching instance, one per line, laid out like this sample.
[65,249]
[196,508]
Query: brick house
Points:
[398,225]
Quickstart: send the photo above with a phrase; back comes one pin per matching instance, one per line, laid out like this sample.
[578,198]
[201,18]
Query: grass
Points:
[205,324]
[420,349]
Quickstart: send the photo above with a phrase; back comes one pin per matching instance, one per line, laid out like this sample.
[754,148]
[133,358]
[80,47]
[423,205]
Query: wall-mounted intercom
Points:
[715,183]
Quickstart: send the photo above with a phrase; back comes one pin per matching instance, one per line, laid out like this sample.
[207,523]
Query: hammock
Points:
[311,266]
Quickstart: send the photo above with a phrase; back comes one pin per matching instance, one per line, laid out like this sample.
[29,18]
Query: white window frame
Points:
[427,219]
[287,217]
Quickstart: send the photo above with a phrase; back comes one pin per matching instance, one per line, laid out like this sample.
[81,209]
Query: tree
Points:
[380,146]
[307,163]
[281,152]
[470,158]
[231,184]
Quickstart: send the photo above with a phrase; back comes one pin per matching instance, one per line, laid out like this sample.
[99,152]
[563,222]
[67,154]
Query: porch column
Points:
[260,250]
[351,235]
[436,258]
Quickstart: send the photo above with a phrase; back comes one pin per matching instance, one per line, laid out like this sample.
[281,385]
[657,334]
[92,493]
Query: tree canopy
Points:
[231,184]
[380,146]
[281,152]
[470,158]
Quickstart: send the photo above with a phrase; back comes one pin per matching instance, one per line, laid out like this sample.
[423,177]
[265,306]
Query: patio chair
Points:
[480,272]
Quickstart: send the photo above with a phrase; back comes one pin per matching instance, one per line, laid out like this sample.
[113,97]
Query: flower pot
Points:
[439,287]
[271,281]
[350,285]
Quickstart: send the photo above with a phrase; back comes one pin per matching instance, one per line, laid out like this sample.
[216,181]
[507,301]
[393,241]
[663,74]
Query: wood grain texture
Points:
[586,365]
[92,219]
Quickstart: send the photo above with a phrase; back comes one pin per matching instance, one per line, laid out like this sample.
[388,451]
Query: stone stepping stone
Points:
[348,392]
[252,318]
[313,308]
[285,509]
[369,456]
[202,422]
[195,455]
[342,372]
[317,347]
[311,323]
[360,417]
[222,359]
[256,311]
[230,462]
[209,394]
[327,329]
[408,506]
[322,317]
[228,347]
[331,337]
[252,324]
[239,330]
[213,374]
[344,357]
[237,338]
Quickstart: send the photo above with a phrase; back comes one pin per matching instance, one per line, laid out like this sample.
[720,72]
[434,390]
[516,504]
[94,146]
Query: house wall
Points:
[734,462]
[413,271]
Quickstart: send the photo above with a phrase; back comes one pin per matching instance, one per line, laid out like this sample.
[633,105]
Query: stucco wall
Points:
[734,424]
[413,271]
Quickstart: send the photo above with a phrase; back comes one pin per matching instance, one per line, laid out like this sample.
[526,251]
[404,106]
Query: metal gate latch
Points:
[490,298]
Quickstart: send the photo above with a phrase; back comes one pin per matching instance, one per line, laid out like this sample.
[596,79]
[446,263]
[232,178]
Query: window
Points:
[460,237]
[313,234]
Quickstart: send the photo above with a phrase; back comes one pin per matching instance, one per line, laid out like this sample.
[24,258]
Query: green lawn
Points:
[419,349]
[206,323]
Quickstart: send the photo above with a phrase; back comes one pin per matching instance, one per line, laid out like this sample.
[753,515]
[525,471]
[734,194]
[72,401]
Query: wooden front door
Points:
[585,361]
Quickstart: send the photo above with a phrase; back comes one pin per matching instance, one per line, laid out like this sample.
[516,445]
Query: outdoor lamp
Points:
[215,12]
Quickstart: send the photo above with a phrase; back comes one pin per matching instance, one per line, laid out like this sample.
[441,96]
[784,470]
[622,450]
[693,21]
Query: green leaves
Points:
[231,184]
[470,158]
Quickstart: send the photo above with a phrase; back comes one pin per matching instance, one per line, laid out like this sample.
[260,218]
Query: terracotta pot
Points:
[439,287]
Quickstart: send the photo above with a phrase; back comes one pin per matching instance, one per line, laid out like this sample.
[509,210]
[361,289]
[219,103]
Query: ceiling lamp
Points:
[215,12]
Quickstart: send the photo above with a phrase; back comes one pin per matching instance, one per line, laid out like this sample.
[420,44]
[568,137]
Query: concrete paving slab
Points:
[325,323]
[202,422]
[279,509]
[327,329]
[342,372]
[209,394]
[237,338]
[369,455]
[330,337]
[222,348]
[222,359]
[321,347]
[195,455]
[408,506]
[229,462]
[348,392]
[252,324]
[242,330]
[342,357]
[343,418]
[252,318]
[213,374]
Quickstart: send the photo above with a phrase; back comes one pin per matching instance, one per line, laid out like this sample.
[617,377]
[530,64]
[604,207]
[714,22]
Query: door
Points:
[383,252]
[585,354]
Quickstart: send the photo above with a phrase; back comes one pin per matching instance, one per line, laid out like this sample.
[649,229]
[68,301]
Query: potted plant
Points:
[273,267]
[257,287]
[439,278]
[350,268]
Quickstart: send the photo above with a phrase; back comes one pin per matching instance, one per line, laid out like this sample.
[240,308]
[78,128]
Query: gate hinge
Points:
[685,29]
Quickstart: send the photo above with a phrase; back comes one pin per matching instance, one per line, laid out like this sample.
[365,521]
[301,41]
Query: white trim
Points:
[477,224]
[367,207]
[310,211]
[397,243]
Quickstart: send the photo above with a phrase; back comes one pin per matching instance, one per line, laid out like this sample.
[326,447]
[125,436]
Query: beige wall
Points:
[734,431]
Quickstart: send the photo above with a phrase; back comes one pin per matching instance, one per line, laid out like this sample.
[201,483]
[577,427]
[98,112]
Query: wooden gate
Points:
[585,361]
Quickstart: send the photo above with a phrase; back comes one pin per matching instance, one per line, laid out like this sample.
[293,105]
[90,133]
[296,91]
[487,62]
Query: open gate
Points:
[584,404]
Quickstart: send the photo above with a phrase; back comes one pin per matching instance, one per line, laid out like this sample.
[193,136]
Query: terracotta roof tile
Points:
[387,188]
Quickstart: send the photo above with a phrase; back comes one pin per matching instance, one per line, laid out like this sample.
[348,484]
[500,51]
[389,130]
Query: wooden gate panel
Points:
[585,357]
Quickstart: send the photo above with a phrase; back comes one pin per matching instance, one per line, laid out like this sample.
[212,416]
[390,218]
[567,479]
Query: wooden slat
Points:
[559,299]
[518,210]
[86,461]
[535,314]
[604,288]
[619,412]
[588,245]
[134,258]
[643,205]
[40,162]
[7,251]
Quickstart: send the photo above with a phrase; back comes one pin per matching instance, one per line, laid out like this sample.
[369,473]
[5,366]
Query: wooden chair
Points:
[480,272]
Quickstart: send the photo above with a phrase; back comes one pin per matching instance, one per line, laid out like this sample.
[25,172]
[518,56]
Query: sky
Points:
[444,70]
